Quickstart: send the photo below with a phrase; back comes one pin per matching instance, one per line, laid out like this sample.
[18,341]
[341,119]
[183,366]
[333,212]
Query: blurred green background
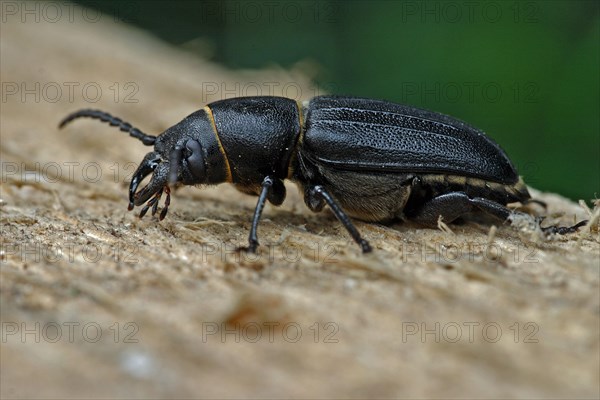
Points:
[525,72]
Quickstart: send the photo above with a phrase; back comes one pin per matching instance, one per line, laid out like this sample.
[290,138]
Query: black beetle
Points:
[369,159]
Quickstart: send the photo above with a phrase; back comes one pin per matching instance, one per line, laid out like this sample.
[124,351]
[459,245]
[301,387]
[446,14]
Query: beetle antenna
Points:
[148,140]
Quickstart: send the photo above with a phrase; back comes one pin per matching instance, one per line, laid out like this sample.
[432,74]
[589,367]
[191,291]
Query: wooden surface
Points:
[162,309]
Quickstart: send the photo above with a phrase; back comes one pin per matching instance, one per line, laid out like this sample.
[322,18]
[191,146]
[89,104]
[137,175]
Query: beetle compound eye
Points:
[195,159]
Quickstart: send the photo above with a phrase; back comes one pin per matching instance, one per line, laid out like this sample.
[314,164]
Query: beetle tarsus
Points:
[251,249]
[252,246]
[563,230]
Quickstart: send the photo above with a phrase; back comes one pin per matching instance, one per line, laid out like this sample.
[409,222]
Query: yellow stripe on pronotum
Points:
[212,122]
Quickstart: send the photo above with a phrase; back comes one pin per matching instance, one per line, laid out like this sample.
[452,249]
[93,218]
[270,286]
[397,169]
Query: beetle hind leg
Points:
[317,196]
[450,206]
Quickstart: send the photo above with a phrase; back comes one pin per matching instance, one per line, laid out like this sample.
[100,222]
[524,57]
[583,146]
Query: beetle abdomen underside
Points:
[369,135]
[385,196]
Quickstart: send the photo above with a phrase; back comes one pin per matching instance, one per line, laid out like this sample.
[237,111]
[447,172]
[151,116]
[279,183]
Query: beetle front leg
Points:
[272,190]
[316,196]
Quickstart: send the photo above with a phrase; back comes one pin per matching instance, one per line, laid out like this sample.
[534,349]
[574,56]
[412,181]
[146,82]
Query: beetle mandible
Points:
[367,159]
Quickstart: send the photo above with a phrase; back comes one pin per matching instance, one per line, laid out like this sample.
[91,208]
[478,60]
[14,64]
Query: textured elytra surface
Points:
[431,313]
[393,137]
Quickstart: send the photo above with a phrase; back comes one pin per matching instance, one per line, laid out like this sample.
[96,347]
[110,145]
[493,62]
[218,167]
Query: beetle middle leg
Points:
[316,197]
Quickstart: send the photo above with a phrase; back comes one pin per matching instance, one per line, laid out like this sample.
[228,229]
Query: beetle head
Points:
[169,165]
[192,151]
[188,153]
